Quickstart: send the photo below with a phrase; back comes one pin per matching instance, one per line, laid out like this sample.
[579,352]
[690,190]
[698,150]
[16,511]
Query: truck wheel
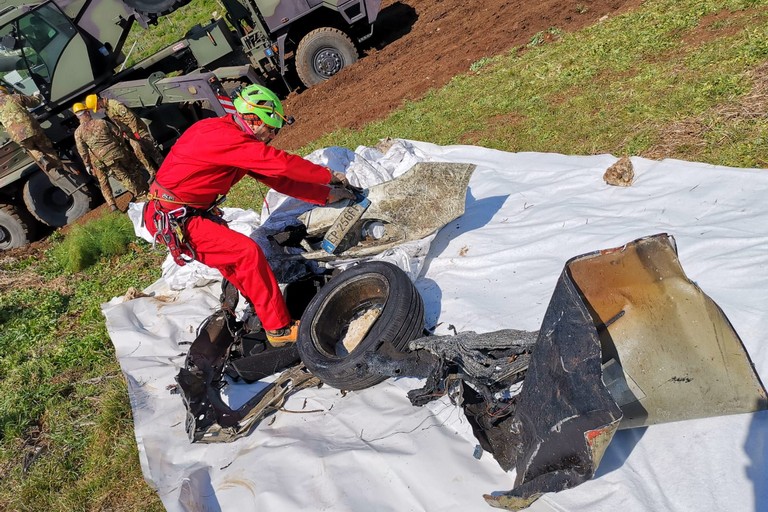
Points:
[369,286]
[16,227]
[155,7]
[51,205]
[322,53]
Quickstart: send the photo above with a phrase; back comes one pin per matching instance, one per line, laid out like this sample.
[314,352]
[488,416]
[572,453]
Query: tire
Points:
[16,227]
[51,205]
[345,297]
[322,53]
[155,8]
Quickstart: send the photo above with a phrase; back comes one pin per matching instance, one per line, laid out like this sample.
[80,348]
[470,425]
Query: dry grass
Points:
[692,133]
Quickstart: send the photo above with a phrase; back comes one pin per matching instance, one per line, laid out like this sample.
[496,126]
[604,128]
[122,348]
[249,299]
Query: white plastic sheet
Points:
[494,268]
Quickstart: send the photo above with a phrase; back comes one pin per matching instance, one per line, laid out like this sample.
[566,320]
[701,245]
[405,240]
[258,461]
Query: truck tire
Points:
[154,8]
[347,296]
[16,227]
[322,53]
[51,205]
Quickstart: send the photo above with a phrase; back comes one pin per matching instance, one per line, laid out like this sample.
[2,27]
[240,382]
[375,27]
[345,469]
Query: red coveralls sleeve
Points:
[286,173]
[293,176]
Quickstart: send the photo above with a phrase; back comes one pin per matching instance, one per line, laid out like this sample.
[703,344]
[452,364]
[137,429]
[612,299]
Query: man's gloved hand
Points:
[89,170]
[337,194]
[338,178]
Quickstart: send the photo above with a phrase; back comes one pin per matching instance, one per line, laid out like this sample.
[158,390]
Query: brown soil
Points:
[420,45]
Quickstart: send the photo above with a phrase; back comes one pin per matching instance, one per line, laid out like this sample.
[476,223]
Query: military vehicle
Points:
[63,50]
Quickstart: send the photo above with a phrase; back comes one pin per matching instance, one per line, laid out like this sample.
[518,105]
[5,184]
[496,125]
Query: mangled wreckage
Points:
[627,340]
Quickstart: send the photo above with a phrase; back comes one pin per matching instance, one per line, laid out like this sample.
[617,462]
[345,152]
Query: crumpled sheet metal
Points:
[412,206]
[209,418]
[484,357]
[631,317]
[680,356]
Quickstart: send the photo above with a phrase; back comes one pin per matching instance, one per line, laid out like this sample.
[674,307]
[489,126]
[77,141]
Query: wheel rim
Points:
[5,237]
[328,62]
[58,199]
[340,308]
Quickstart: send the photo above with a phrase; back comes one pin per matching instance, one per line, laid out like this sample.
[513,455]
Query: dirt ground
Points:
[420,45]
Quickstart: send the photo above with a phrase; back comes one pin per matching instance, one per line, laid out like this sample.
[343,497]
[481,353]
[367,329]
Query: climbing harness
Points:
[169,228]
[170,225]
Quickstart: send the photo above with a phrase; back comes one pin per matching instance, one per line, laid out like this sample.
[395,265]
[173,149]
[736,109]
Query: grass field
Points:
[687,79]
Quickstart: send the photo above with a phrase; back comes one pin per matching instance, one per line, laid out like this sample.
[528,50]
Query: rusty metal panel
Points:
[678,351]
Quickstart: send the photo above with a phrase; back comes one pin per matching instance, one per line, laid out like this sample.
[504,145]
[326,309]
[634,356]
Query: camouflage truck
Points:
[63,50]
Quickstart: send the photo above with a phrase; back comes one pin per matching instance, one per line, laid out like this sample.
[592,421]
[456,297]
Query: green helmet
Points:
[258,100]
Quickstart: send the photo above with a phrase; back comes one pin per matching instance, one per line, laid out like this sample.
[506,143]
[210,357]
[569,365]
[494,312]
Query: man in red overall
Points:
[209,158]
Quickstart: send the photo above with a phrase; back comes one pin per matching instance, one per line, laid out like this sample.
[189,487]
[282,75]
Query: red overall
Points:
[208,159]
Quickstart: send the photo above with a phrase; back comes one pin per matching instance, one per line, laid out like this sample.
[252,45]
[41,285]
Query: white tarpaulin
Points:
[493,268]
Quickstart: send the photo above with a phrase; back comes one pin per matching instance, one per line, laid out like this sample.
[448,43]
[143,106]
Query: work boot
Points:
[285,336]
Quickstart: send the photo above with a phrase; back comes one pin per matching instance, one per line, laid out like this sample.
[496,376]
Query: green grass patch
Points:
[144,42]
[107,236]
[66,437]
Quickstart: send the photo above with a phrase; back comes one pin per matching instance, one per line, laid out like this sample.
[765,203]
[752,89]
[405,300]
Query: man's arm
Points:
[28,101]
[224,144]
[309,192]
[123,117]
[83,150]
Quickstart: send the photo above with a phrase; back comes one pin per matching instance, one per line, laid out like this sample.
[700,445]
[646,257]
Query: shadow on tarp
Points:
[197,492]
[756,448]
[477,213]
[433,298]
[622,445]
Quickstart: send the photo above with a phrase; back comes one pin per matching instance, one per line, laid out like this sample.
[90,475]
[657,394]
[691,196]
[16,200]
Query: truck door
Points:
[52,56]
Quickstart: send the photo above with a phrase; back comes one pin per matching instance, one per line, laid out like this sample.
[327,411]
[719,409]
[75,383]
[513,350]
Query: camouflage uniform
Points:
[25,131]
[101,148]
[137,133]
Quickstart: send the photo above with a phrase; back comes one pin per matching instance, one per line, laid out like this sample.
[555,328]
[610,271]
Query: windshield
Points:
[30,48]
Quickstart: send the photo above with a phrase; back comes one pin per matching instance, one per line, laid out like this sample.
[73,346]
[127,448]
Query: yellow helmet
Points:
[92,102]
[78,107]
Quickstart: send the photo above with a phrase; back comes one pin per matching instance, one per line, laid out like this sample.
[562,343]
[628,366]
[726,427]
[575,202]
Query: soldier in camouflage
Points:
[101,147]
[22,128]
[133,128]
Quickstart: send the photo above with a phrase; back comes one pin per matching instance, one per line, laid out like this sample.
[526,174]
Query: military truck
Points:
[63,50]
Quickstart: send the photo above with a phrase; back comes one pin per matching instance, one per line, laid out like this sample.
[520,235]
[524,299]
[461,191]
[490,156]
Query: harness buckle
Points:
[169,229]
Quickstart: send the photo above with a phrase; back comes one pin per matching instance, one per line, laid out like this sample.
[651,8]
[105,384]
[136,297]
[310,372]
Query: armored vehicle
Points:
[63,50]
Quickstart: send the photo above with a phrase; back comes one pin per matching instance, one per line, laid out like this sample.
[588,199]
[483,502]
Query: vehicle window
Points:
[30,48]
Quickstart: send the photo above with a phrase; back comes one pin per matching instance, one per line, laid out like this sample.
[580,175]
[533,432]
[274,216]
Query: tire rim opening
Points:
[57,198]
[348,315]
